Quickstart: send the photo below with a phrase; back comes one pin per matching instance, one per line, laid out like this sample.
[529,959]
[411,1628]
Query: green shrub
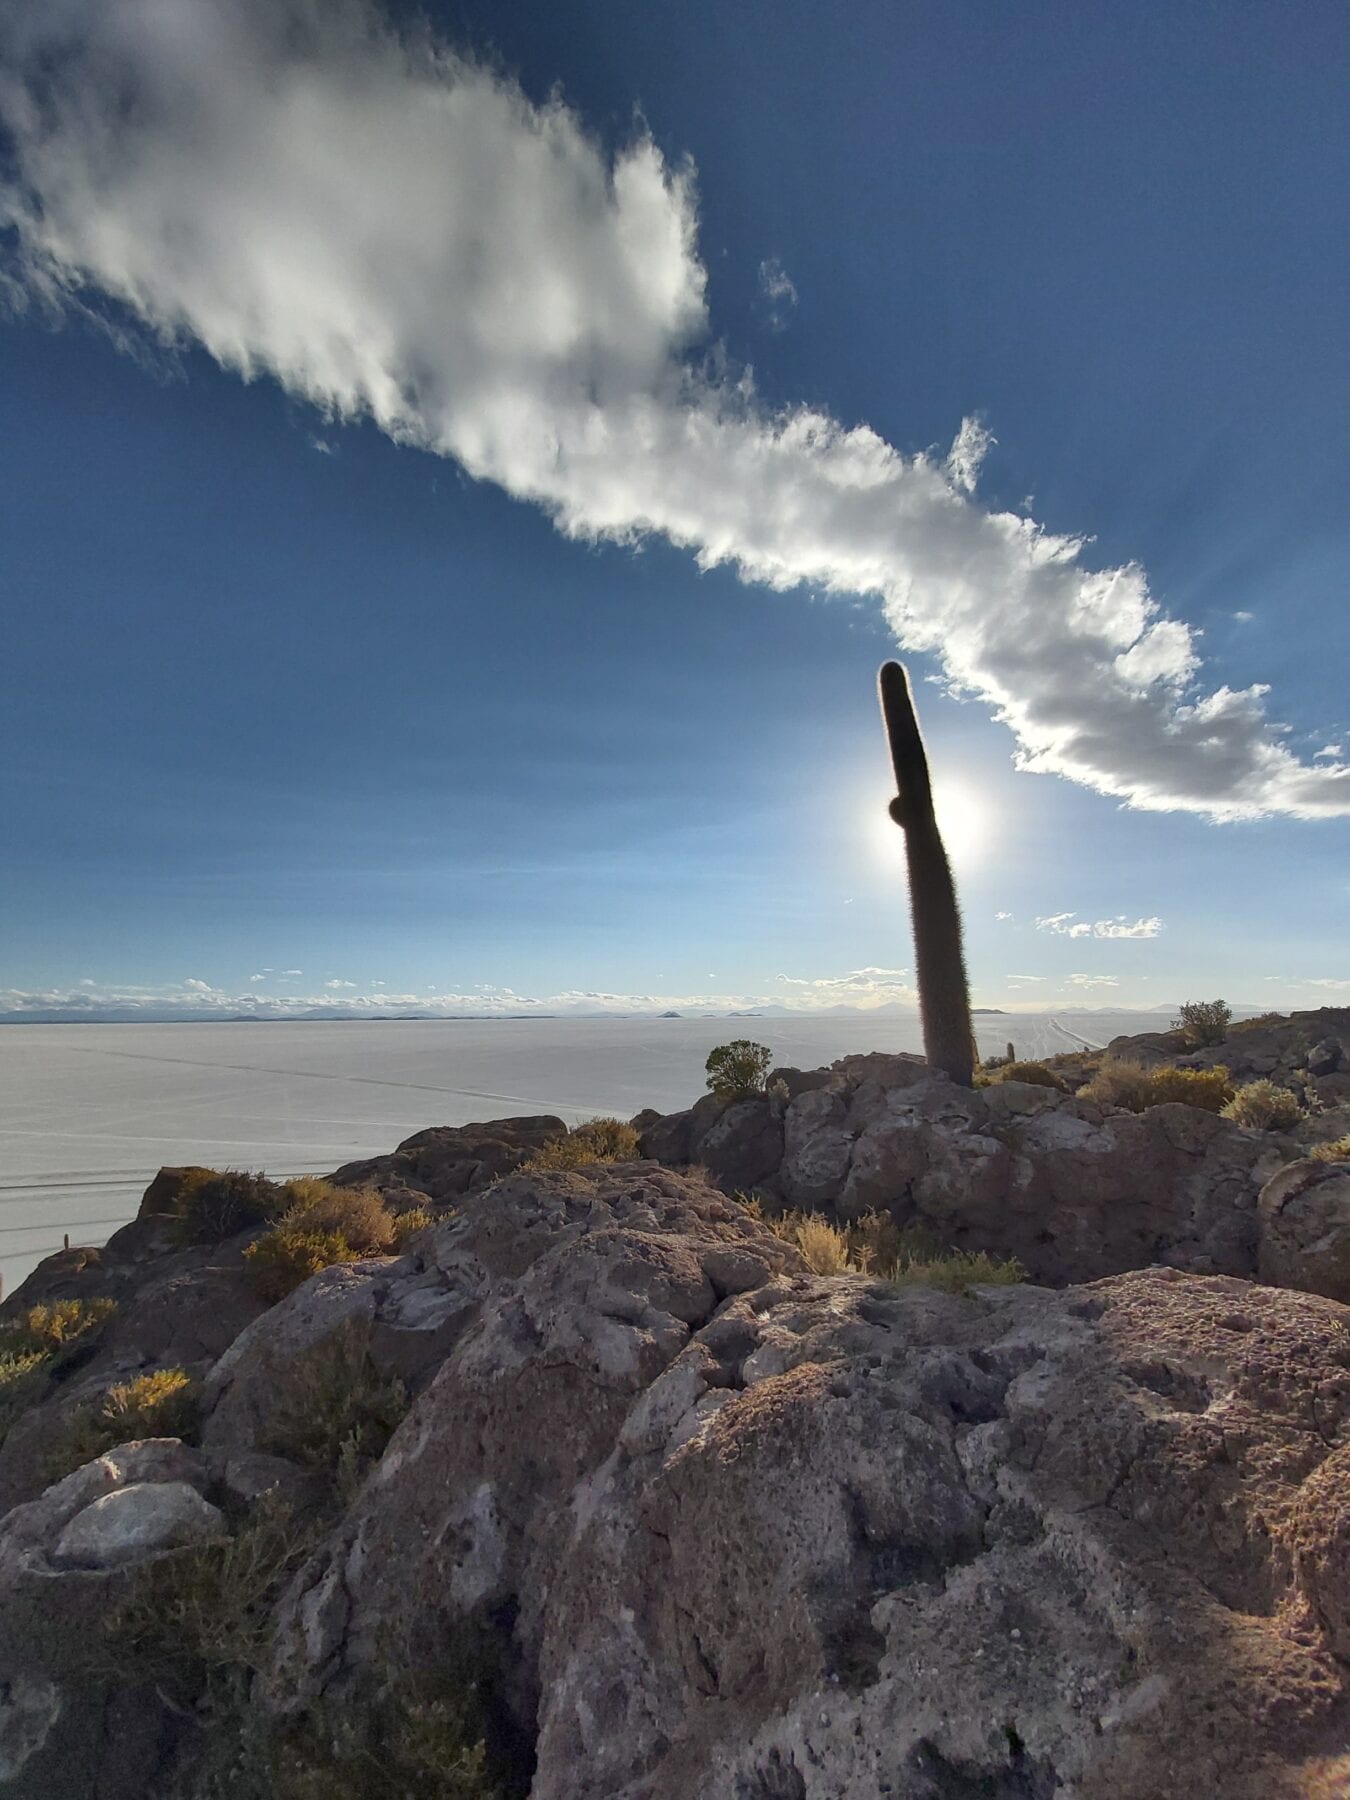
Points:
[357,1214]
[1258,1023]
[1203,1022]
[285,1257]
[1338,1150]
[737,1070]
[212,1205]
[333,1410]
[410,1740]
[1263,1106]
[597,1141]
[164,1403]
[198,1624]
[1034,1072]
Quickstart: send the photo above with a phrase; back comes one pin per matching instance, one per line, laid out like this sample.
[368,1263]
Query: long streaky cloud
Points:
[394,232]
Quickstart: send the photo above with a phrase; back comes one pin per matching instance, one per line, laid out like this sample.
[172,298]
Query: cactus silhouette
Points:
[944,994]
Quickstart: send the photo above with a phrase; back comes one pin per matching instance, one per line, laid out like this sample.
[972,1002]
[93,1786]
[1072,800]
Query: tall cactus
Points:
[944,994]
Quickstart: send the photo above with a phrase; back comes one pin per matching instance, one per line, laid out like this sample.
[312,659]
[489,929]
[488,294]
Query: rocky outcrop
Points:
[448,1161]
[1297,1051]
[1305,1228]
[726,1528]
[1075,1191]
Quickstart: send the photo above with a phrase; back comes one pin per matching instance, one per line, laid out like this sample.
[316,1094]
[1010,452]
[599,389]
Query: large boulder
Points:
[1305,1228]
[66,1559]
[743,1531]
[447,1161]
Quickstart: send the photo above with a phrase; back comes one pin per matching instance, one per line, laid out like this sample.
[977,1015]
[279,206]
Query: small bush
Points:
[357,1214]
[1034,1072]
[1208,1089]
[408,1224]
[211,1205]
[23,1381]
[161,1404]
[1338,1150]
[1258,1023]
[1134,1088]
[283,1259]
[53,1326]
[1119,1083]
[205,1607]
[333,1410]
[1203,1022]
[1263,1106]
[738,1069]
[597,1141]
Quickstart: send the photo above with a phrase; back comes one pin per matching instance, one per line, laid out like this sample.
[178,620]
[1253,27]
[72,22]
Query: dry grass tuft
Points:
[1338,1150]
[875,1245]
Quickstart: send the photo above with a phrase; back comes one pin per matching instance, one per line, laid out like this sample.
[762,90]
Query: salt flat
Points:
[89,1112]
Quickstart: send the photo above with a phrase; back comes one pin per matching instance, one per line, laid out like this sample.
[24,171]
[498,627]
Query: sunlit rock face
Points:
[719,1526]
[1071,1189]
[1074,1189]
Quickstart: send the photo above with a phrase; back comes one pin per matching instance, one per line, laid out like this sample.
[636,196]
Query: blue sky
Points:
[505,641]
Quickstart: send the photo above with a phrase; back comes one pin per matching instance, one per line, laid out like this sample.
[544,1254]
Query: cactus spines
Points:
[944,995]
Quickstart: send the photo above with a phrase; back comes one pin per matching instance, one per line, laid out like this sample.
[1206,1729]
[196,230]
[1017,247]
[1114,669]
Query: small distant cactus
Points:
[940,964]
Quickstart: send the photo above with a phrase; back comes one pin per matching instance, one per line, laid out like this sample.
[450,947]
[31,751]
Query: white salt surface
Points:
[89,1112]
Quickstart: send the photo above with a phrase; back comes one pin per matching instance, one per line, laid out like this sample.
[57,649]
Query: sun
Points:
[964,817]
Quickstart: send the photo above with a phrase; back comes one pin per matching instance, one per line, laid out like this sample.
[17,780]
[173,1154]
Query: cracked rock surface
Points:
[823,1538]
[741,1532]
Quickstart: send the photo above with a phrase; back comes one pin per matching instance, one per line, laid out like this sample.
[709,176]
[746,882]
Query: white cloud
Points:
[1003,915]
[1024,978]
[1333,751]
[1093,981]
[1244,618]
[1058,924]
[866,988]
[396,233]
[257,978]
[777,291]
[292,971]
[860,989]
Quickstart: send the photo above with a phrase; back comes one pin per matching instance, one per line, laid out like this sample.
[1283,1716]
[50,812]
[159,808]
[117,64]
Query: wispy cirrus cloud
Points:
[777,292]
[394,232]
[1068,924]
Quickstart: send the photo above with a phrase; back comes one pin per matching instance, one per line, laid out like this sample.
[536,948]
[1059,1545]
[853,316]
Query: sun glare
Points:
[965,820]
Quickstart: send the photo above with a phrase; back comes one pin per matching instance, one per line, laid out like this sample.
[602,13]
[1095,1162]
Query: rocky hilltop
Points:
[593,1487]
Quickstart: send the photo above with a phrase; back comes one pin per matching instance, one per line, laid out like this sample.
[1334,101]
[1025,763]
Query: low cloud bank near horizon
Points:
[395,232]
[858,990]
